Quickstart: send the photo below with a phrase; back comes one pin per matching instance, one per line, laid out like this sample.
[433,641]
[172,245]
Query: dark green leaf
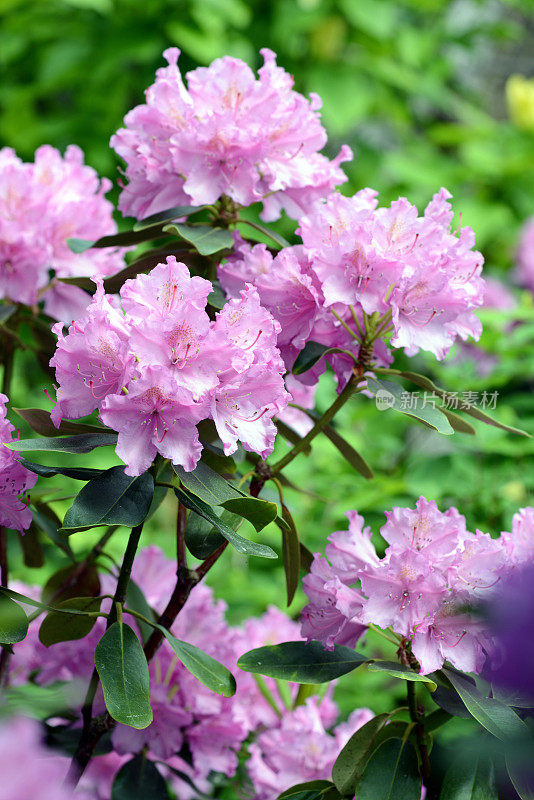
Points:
[123,672]
[520,769]
[201,538]
[42,517]
[457,422]
[215,458]
[241,544]
[13,621]
[205,239]
[57,627]
[205,668]
[512,697]
[391,773]
[205,483]
[301,662]
[467,408]
[66,444]
[289,434]
[39,421]
[124,239]
[76,580]
[41,702]
[449,701]
[259,512]
[496,717]
[348,452]
[139,779]
[306,558]
[311,354]
[400,671]
[31,547]
[136,600]
[312,790]
[428,415]
[165,216]
[470,778]
[112,498]
[78,473]
[351,761]
[291,554]
[216,297]
[210,487]
[272,235]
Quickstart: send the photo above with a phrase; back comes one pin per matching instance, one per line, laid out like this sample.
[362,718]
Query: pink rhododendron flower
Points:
[29,769]
[298,750]
[226,133]
[520,543]
[391,259]
[15,480]
[433,570]
[42,204]
[157,366]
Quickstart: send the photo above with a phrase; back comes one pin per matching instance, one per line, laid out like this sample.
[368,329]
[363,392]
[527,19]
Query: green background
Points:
[416,88]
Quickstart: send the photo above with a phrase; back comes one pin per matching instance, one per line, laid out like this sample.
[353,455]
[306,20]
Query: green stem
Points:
[125,572]
[339,402]
[384,635]
[264,691]
[347,327]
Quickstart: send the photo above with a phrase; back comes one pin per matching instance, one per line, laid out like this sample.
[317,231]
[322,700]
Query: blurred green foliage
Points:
[416,87]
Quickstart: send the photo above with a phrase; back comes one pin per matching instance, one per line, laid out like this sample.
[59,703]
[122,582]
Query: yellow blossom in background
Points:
[520,100]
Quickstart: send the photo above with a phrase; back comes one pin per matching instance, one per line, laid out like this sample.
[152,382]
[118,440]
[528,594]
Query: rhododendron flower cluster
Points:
[41,205]
[188,717]
[15,480]
[226,133]
[432,573]
[299,749]
[158,366]
[363,272]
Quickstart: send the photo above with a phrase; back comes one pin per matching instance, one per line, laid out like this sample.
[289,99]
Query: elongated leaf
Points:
[31,547]
[467,408]
[496,717]
[205,668]
[241,544]
[396,394]
[123,671]
[136,600]
[512,697]
[207,484]
[78,473]
[391,773]
[289,434]
[272,235]
[165,216]
[312,790]
[45,522]
[470,778]
[139,779]
[520,769]
[449,701]
[124,239]
[57,627]
[39,421]
[13,621]
[112,498]
[301,662]
[457,422]
[201,537]
[311,354]
[400,671]
[259,512]
[306,557]
[66,444]
[75,580]
[291,554]
[350,763]
[210,487]
[348,452]
[205,239]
